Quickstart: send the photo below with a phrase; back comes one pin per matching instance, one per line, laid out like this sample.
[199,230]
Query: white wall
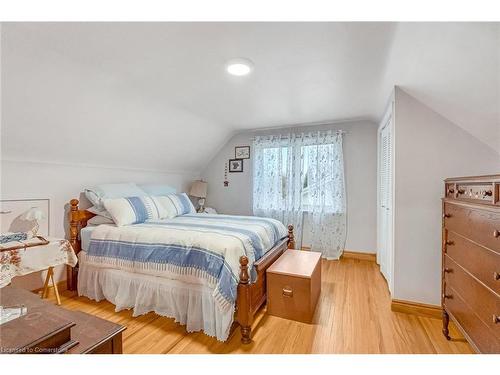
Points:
[428,149]
[62,182]
[58,113]
[360,159]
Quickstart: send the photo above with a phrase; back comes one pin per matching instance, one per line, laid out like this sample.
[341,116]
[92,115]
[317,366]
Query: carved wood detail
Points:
[471,258]
[77,220]
[291,237]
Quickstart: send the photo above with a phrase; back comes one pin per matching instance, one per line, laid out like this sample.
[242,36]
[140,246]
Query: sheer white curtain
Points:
[301,176]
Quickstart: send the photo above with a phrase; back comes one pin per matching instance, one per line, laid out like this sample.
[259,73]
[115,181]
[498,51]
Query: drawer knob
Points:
[496,319]
[496,276]
[450,243]
[287,292]
[446,216]
[496,233]
[448,270]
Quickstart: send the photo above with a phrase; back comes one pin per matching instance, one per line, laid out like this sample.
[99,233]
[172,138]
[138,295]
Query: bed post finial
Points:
[244,276]
[245,315]
[291,237]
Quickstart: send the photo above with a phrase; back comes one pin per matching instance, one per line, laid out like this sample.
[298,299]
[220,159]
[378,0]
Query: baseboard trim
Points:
[352,254]
[360,256]
[415,308]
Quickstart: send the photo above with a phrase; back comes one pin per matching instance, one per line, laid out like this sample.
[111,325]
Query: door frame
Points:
[387,120]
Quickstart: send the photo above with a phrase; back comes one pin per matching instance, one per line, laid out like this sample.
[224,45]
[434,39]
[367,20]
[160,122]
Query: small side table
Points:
[46,287]
[23,261]
[209,210]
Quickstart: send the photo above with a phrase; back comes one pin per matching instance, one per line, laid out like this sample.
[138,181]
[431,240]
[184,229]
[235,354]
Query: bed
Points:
[208,272]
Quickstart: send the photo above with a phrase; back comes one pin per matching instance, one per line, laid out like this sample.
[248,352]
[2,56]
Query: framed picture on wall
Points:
[14,215]
[242,152]
[235,165]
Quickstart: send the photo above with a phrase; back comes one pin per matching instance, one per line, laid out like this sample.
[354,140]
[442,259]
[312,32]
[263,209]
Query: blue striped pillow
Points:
[135,210]
[177,204]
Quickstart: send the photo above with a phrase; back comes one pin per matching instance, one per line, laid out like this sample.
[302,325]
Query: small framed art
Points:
[235,165]
[242,152]
[13,216]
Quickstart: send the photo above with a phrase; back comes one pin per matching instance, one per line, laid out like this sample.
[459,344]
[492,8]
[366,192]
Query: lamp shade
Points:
[34,213]
[199,189]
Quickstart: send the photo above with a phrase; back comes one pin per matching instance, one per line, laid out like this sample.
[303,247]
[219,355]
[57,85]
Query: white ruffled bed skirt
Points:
[191,305]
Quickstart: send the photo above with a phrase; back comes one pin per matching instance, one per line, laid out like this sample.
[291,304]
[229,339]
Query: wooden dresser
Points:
[471,260]
[88,333]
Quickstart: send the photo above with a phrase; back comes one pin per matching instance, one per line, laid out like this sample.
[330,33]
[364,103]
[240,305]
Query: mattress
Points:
[85,235]
[172,260]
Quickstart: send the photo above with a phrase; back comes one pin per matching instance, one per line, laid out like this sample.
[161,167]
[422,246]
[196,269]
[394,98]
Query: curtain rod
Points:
[301,134]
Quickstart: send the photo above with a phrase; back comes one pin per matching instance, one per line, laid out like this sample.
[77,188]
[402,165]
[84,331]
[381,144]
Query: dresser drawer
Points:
[484,303]
[480,225]
[478,332]
[483,263]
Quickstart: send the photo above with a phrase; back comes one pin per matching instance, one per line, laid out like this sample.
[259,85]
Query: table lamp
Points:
[34,214]
[199,190]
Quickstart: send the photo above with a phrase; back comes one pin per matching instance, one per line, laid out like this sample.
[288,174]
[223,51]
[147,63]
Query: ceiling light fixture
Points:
[239,67]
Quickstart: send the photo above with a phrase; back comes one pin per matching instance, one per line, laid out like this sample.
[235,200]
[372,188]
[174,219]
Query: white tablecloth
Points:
[32,259]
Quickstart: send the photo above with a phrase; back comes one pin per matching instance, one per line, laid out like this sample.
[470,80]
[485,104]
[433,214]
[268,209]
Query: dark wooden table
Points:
[92,334]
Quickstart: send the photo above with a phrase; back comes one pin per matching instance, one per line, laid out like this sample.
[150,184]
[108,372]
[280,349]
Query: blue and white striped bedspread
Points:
[195,248]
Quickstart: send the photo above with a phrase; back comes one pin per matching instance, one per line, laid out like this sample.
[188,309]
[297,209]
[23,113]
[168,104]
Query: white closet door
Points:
[385,231]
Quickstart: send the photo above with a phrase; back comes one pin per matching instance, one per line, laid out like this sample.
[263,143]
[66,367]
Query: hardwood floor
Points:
[353,316]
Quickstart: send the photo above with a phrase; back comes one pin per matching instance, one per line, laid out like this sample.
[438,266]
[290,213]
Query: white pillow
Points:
[135,210]
[100,212]
[177,204]
[157,189]
[97,194]
[98,220]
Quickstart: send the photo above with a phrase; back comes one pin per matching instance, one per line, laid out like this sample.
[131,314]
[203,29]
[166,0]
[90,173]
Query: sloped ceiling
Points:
[156,96]
[454,68]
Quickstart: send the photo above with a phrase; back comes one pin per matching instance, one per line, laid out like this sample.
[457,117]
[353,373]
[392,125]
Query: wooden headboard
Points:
[77,220]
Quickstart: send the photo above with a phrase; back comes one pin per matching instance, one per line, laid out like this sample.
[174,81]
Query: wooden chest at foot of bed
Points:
[294,285]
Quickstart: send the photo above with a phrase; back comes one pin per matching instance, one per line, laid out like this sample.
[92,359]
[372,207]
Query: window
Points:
[298,174]
[303,171]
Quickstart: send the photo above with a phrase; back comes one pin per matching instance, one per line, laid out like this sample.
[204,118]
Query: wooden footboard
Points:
[251,296]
